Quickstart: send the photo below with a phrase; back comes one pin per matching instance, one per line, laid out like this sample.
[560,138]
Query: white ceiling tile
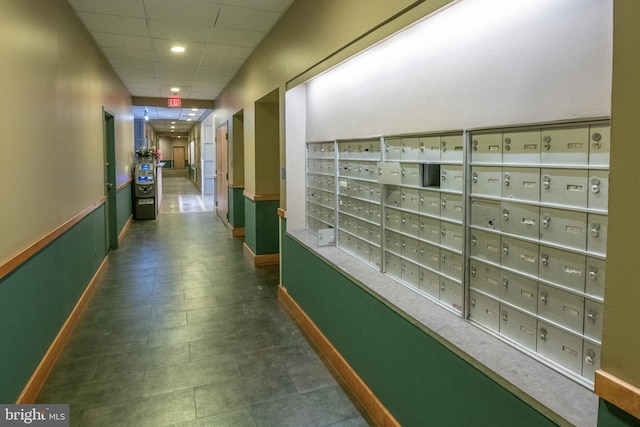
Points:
[192,54]
[221,61]
[133,64]
[235,37]
[246,19]
[227,51]
[98,22]
[112,7]
[122,41]
[272,5]
[178,12]
[178,33]
[134,54]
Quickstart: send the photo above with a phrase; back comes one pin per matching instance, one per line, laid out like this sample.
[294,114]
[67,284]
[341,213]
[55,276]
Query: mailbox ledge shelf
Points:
[549,392]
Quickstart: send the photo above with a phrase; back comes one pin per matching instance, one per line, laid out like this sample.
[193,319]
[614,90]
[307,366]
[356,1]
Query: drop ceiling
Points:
[136,37]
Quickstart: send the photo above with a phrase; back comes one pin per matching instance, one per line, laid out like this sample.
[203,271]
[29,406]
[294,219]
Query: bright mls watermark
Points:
[34,415]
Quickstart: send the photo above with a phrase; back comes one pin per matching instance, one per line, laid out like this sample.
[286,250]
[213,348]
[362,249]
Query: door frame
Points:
[111,208]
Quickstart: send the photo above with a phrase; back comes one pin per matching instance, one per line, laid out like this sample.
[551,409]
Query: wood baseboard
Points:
[125,228]
[39,376]
[237,231]
[376,410]
[258,260]
[622,394]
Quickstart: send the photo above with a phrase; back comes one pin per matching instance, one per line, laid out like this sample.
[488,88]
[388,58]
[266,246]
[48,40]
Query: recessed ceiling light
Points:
[173,127]
[175,89]
[192,114]
[194,109]
[189,120]
[177,49]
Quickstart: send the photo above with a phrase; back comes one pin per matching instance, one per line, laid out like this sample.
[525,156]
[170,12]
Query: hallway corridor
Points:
[182,330]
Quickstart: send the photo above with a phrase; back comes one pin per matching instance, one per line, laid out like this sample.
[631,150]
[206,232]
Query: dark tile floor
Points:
[183,331]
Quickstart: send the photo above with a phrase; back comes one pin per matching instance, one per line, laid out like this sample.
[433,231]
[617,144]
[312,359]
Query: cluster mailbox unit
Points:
[506,227]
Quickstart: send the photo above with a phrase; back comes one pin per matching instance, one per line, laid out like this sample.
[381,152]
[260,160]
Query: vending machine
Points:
[144,196]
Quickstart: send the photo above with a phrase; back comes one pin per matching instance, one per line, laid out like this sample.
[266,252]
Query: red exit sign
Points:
[175,102]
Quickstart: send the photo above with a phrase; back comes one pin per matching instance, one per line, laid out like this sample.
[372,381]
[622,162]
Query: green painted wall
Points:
[37,298]
[124,206]
[418,379]
[262,226]
[236,207]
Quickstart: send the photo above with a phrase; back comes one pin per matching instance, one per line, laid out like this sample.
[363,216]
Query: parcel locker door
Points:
[410,174]
[484,277]
[518,326]
[565,146]
[521,184]
[451,178]
[600,144]
[451,264]
[520,219]
[521,147]
[430,229]
[393,265]
[486,181]
[561,307]
[485,246]
[430,256]
[597,234]
[593,320]
[590,360]
[484,310]
[430,149]
[564,187]
[560,346]
[520,256]
[598,197]
[485,214]
[393,149]
[451,293]
[486,148]
[519,291]
[393,219]
[410,150]
[562,227]
[410,199]
[430,282]
[410,273]
[452,148]
[595,278]
[430,202]
[564,268]
[452,207]
[451,236]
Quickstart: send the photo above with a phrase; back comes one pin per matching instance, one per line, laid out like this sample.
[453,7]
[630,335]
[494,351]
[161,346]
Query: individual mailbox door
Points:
[452,207]
[451,264]
[485,246]
[485,214]
[389,173]
[410,273]
[375,234]
[393,196]
[430,257]
[430,229]
[520,256]
[375,255]
[600,144]
[598,197]
[344,168]
[365,190]
[452,148]
[363,249]
[393,264]
[521,184]
[451,236]
[430,202]
[593,320]
[375,192]
[410,149]
[590,360]
[563,268]
[565,146]
[520,219]
[562,227]
[344,150]
[411,249]
[343,186]
[411,224]
[328,150]
[561,307]
[368,171]
[486,181]
[560,346]
[486,148]
[410,199]
[518,326]
[597,234]
[375,216]
[393,149]
[430,149]
[451,293]
[410,174]
[519,291]
[484,310]
[451,178]
[484,277]
[521,147]
[363,231]
[596,269]
[430,282]
[393,242]
[564,187]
